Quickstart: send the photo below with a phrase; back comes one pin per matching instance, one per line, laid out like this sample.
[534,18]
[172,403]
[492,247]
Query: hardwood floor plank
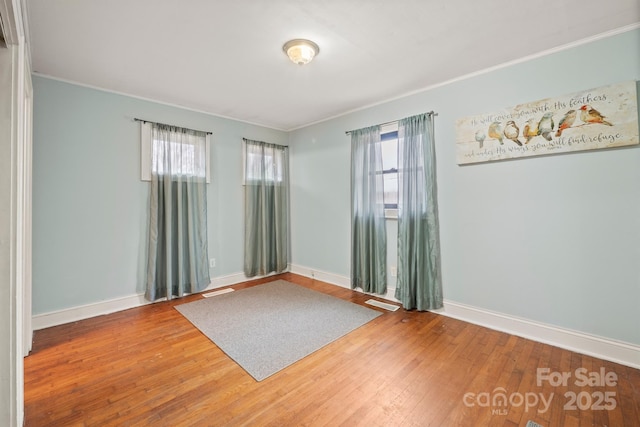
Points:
[150,366]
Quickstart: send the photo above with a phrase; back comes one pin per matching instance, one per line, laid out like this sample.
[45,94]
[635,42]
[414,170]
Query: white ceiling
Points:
[225,56]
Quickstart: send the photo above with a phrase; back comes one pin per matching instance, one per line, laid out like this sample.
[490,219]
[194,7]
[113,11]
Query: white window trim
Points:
[389,127]
[146,146]
[244,162]
[145,151]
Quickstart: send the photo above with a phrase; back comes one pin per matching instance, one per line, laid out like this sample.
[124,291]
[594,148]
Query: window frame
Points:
[244,167]
[146,153]
[387,133]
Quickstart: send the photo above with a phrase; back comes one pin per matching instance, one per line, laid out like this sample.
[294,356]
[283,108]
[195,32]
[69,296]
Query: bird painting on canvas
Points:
[530,130]
[511,131]
[546,125]
[480,137]
[496,132]
[567,121]
[590,115]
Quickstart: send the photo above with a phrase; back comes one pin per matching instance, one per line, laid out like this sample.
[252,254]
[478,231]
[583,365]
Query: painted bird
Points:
[530,130]
[495,132]
[545,126]
[566,122]
[590,115]
[512,131]
[480,136]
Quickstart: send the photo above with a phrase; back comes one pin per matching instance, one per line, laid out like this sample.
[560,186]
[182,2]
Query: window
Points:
[177,255]
[187,154]
[184,156]
[266,196]
[259,164]
[389,145]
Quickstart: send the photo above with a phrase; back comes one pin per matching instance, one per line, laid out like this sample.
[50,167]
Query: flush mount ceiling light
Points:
[300,51]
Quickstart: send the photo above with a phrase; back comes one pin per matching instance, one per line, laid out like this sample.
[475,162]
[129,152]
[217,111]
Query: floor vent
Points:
[220,292]
[533,424]
[381,304]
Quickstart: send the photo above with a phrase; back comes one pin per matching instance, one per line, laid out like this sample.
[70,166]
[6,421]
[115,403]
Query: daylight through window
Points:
[182,158]
[389,145]
[179,152]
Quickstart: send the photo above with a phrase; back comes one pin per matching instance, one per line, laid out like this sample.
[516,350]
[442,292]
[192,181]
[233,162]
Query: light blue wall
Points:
[89,205]
[553,239]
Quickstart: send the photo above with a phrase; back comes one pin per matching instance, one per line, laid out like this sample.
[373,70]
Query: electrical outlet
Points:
[212,263]
[394,271]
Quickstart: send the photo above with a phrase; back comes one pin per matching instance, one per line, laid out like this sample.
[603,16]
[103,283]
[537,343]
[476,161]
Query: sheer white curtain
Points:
[266,189]
[178,247]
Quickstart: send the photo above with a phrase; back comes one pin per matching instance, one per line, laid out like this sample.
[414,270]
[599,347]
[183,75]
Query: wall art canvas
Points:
[604,117]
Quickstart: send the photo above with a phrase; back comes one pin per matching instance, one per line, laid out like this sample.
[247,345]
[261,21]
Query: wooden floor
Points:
[149,366]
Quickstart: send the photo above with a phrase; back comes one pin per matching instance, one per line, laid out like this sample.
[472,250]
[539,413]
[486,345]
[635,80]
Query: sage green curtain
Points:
[419,283]
[178,248]
[266,215]
[368,228]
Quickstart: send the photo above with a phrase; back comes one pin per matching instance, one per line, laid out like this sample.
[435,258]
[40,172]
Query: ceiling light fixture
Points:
[300,51]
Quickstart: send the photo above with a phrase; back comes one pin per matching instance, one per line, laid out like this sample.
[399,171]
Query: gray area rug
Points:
[267,327]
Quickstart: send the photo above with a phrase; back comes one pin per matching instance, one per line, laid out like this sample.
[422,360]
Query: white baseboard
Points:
[313,273]
[337,279]
[229,279]
[73,314]
[603,348]
[580,342]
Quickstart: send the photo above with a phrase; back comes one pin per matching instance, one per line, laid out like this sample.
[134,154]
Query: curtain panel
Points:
[368,228]
[178,246]
[419,283]
[266,189]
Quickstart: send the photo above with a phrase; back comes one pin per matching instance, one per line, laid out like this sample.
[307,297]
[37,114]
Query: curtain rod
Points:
[249,139]
[164,124]
[430,113]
